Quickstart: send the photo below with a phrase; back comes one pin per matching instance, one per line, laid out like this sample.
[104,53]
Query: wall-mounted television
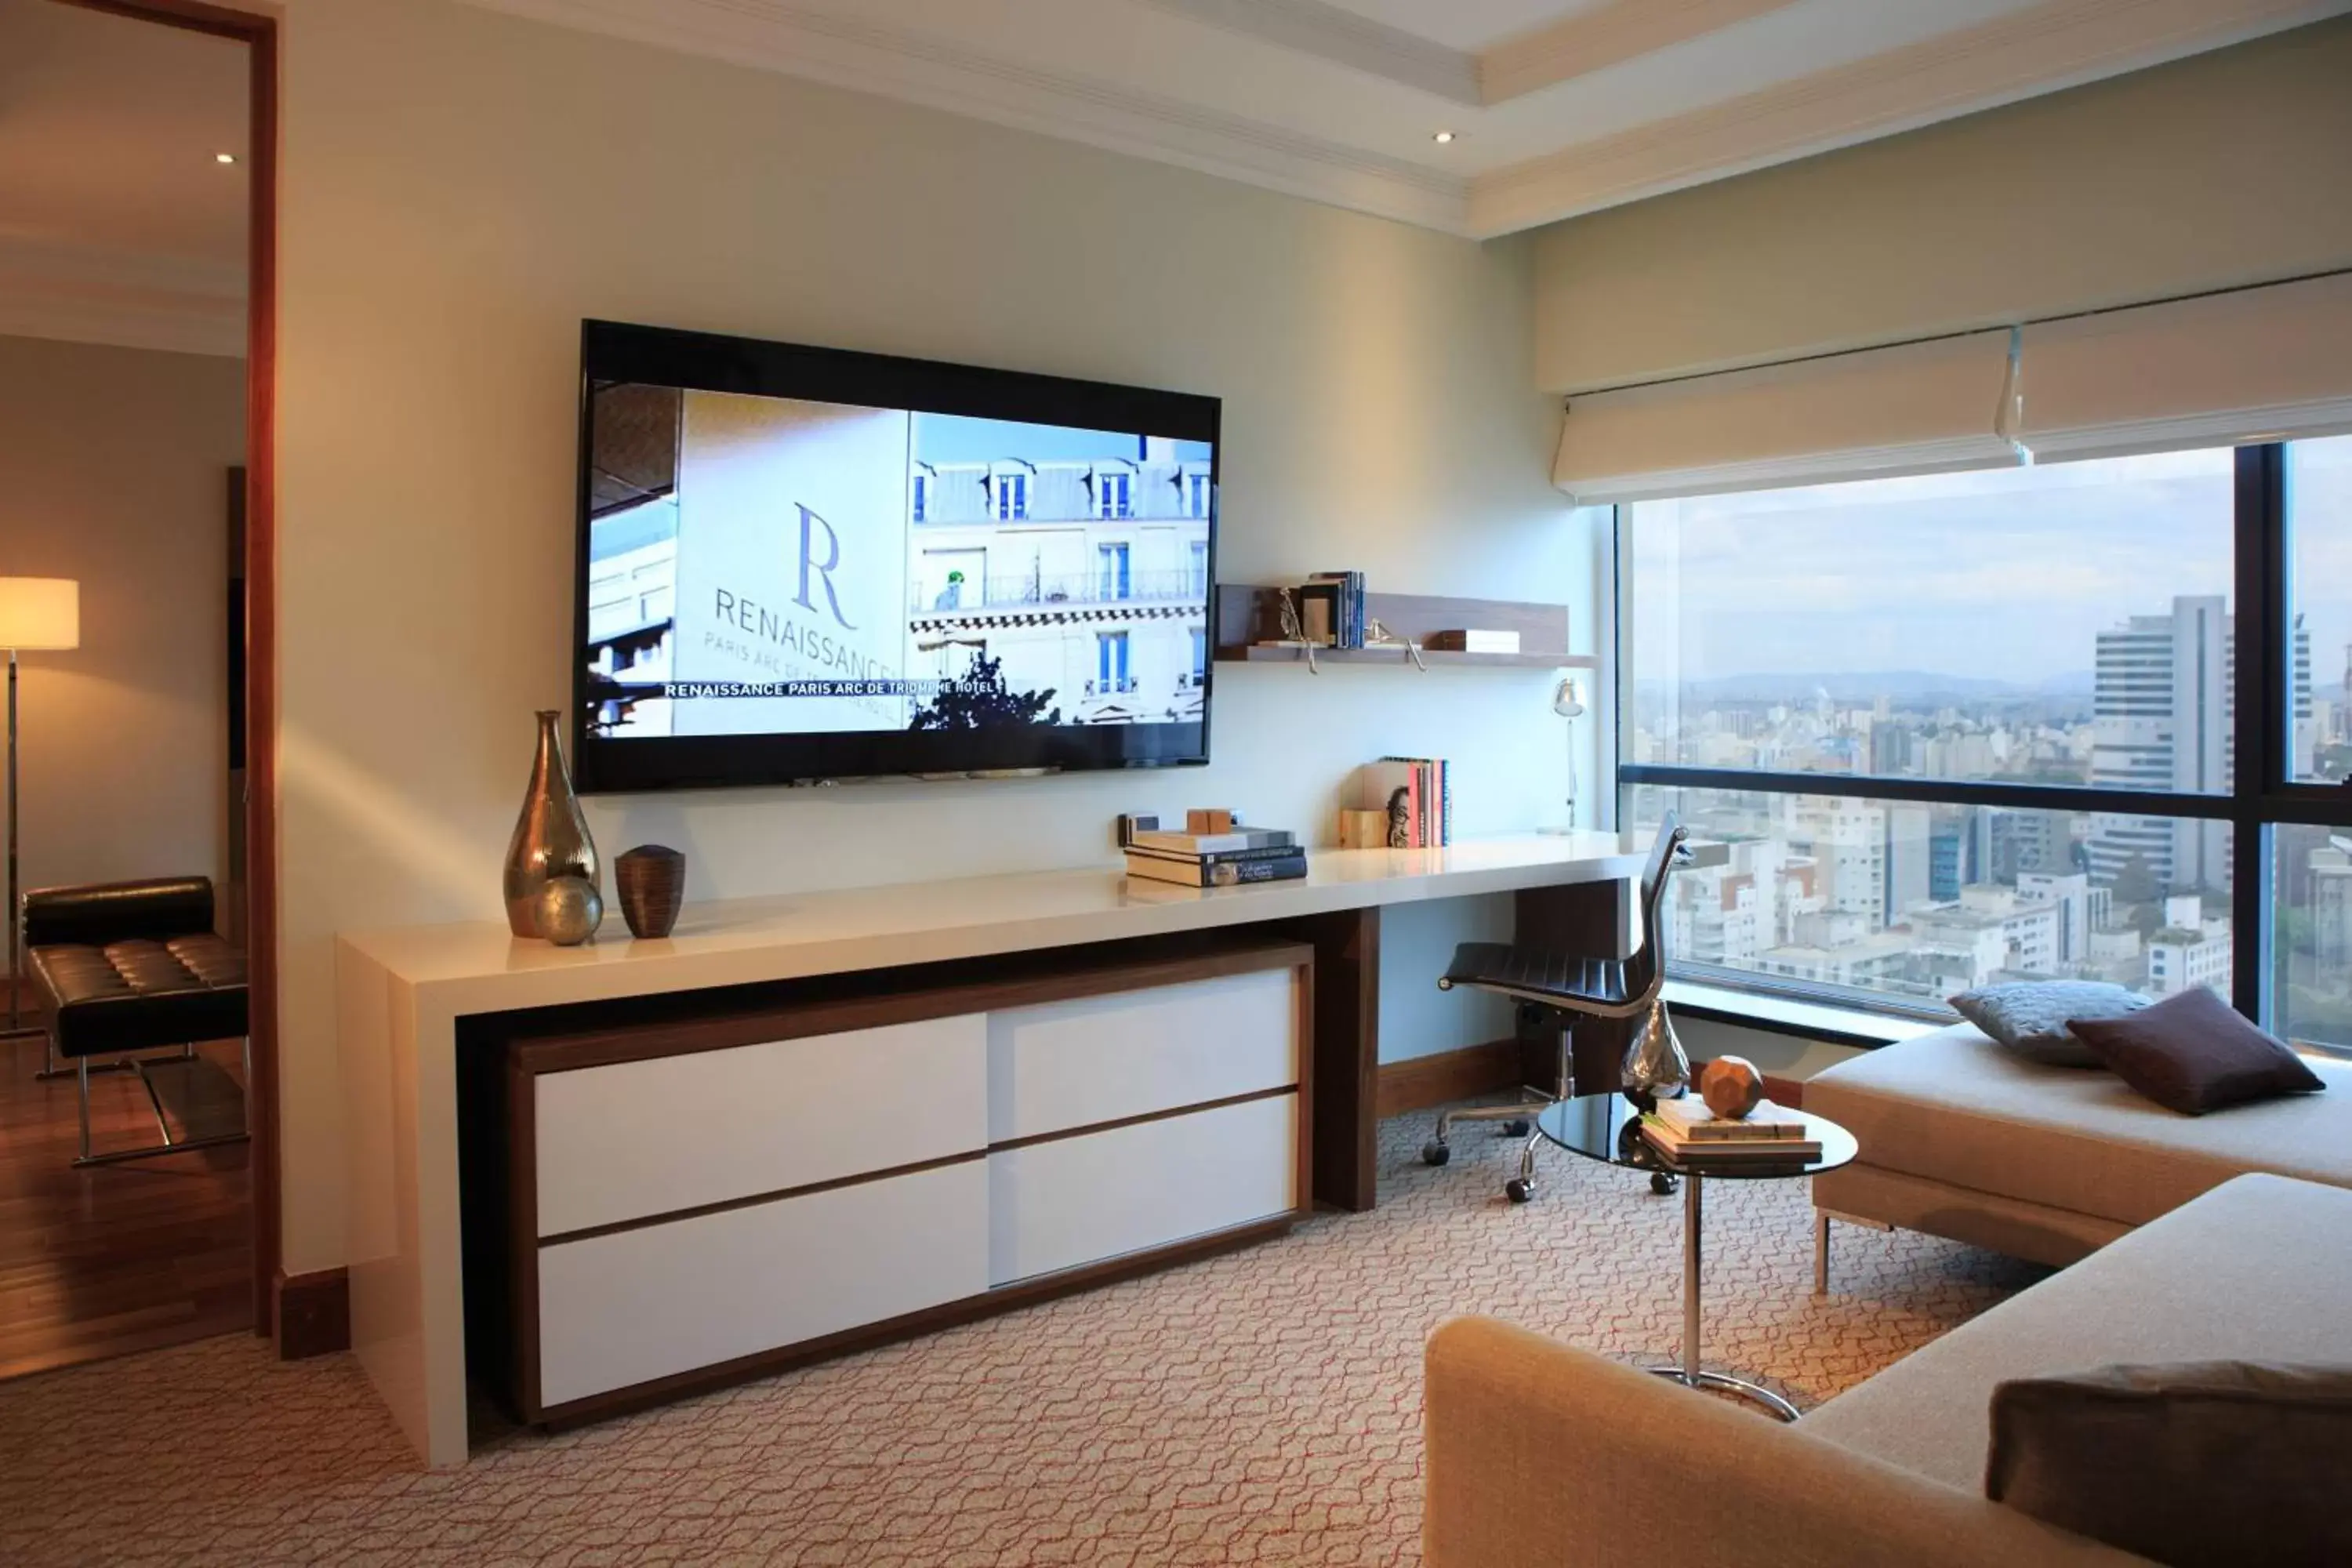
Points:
[799,564]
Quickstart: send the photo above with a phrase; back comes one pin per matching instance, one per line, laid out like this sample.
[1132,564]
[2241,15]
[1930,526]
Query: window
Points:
[1200,654]
[1933,732]
[2319,620]
[922,495]
[1112,491]
[1197,493]
[2311,919]
[1012,498]
[1110,662]
[1112,579]
[1196,569]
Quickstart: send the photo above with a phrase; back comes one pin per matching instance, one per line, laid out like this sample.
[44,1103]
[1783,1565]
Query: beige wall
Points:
[113,470]
[461,187]
[2229,168]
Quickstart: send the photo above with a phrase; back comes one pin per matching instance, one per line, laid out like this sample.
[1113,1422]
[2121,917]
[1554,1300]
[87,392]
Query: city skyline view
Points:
[2068,626]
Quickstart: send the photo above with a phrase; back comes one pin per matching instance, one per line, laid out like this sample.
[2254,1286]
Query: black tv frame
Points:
[616,351]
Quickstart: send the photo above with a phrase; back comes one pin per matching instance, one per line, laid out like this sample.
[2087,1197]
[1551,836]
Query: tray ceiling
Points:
[1555,107]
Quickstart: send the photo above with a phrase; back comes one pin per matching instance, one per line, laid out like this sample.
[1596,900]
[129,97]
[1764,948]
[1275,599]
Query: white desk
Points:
[401,993]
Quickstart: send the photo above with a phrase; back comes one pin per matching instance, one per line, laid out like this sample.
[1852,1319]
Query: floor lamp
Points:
[38,615]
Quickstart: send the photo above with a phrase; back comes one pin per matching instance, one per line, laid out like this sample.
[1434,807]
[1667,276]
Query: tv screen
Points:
[801,564]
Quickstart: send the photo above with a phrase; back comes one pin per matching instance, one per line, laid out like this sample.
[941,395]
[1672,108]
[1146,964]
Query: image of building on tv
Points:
[762,565]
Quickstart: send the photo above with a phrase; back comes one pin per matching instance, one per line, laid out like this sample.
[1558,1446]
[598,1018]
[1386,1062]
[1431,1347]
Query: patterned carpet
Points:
[1260,1407]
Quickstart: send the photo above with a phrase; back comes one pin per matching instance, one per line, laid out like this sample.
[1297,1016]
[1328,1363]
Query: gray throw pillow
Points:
[2198,1465]
[2030,1016]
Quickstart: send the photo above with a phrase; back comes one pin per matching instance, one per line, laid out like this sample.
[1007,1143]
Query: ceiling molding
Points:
[1331,33]
[845,51]
[2059,44]
[96,294]
[1609,34]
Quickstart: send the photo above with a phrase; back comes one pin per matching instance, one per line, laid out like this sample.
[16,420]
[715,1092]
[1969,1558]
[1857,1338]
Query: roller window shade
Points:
[2257,365]
[1916,409]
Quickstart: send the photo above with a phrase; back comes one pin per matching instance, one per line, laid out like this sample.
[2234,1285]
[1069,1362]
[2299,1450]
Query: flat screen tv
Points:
[799,564]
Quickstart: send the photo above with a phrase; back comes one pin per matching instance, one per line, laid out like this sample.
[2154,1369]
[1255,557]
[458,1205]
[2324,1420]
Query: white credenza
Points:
[686,1202]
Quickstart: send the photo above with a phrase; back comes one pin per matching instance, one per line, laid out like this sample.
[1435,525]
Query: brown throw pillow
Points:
[2213,1462]
[2195,1053]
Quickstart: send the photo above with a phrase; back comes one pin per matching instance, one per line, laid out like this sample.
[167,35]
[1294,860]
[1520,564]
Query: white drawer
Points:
[634,1305]
[1103,1058]
[646,1138]
[1070,1201]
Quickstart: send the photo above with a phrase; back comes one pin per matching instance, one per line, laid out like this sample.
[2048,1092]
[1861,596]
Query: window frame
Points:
[2261,798]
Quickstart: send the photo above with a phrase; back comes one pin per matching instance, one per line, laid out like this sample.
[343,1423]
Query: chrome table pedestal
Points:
[1604,1127]
[1689,1373]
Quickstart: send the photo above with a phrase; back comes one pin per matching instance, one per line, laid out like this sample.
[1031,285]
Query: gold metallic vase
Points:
[551,837]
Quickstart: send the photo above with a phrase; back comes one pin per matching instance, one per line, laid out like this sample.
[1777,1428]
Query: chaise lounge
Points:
[1539,1454]
[1965,1139]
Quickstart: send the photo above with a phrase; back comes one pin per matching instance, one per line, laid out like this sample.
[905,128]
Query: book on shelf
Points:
[1742,1151]
[1199,873]
[1215,843]
[1688,1117]
[1417,793]
[1347,590]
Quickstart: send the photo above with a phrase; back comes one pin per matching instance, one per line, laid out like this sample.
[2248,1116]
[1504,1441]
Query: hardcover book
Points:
[1218,873]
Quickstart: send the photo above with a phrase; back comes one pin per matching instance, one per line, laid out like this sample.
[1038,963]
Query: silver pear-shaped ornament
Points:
[1656,1067]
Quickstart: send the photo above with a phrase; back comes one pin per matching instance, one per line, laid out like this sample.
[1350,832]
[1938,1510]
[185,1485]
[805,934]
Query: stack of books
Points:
[1768,1138]
[1343,593]
[1417,793]
[1217,859]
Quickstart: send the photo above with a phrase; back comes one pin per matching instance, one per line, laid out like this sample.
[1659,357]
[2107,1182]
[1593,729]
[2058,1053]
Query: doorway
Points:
[136,166]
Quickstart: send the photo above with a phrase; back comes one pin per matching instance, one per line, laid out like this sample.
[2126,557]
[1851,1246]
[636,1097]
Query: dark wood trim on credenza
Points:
[1344,1067]
[313,1313]
[499,1132]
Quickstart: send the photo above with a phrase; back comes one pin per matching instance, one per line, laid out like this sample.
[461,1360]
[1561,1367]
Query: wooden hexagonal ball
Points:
[1731,1086]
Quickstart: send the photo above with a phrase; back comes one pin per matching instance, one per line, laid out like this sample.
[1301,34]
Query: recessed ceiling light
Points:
[224,157]
[1443,137]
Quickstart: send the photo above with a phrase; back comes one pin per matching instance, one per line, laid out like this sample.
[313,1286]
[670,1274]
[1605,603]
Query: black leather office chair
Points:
[1570,986]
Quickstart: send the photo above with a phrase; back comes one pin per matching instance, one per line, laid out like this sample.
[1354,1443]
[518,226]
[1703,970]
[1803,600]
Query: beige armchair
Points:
[1539,1455]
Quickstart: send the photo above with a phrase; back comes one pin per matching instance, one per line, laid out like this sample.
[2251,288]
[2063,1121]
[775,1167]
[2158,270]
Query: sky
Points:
[954,439]
[2005,574]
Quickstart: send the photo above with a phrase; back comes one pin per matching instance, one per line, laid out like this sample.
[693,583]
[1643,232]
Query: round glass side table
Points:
[1607,1128]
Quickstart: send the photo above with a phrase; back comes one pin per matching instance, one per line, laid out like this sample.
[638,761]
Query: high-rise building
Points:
[2331,906]
[2163,704]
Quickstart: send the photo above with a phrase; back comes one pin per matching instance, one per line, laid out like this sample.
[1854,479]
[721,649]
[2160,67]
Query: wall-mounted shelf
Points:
[1249,619]
[1395,654]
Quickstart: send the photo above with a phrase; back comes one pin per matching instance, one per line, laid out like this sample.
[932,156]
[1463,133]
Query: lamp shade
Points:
[39,612]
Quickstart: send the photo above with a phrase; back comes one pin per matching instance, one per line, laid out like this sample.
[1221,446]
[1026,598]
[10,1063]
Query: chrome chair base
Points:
[1519,1119]
[192,1136]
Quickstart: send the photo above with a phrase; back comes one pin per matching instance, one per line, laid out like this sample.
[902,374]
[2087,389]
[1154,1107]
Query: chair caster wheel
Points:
[1434,1154]
[1665,1185]
[1518,1189]
[1516,1128]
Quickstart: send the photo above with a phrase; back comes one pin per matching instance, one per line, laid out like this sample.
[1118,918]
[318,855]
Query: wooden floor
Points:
[115,1259]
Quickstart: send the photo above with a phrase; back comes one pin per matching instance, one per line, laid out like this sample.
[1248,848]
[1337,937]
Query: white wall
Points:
[2228,168]
[461,187]
[113,470]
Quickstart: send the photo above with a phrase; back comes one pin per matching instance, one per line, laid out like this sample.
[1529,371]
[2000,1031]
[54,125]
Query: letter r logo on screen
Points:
[810,524]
